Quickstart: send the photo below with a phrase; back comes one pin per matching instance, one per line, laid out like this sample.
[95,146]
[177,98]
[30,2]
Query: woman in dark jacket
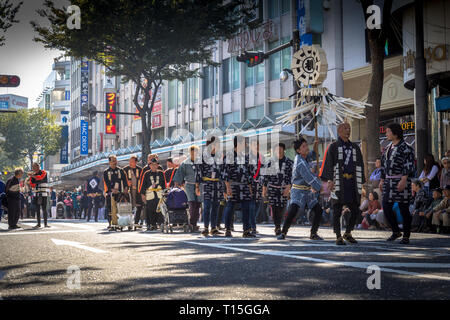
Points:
[421,203]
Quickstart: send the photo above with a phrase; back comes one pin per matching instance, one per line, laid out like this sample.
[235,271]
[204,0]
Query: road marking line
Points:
[32,224]
[344,253]
[78,245]
[360,265]
[42,232]
[77,225]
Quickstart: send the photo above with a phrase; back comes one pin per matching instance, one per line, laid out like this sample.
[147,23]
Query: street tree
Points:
[30,131]
[377,39]
[8,13]
[143,41]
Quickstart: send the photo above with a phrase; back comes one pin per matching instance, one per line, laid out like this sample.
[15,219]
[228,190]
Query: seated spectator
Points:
[364,206]
[370,216]
[445,173]
[421,203]
[437,198]
[375,177]
[442,212]
[429,176]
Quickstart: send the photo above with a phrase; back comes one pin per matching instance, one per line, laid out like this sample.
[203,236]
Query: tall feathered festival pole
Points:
[309,68]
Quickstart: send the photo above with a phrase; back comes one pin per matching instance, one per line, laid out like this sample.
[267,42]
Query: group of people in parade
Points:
[212,178]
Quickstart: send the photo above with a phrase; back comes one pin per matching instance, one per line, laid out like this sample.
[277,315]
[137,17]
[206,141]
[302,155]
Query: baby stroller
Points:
[125,215]
[173,206]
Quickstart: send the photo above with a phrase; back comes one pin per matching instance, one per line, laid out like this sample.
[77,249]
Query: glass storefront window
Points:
[249,76]
[236,74]
[226,76]
[275,62]
[285,6]
[172,94]
[254,112]
[275,108]
[274,9]
[231,117]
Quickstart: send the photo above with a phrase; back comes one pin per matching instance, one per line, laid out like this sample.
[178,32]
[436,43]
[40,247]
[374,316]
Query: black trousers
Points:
[152,215]
[277,216]
[392,217]
[13,211]
[292,213]
[137,217]
[337,213]
[41,202]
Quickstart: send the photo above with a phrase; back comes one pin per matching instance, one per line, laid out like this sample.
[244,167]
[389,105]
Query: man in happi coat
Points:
[343,170]
[277,184]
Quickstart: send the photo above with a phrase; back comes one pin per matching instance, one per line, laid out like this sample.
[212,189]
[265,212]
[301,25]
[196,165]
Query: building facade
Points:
[230,98]
[55,97]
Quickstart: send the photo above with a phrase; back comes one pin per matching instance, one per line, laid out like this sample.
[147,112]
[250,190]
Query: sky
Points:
[23,57]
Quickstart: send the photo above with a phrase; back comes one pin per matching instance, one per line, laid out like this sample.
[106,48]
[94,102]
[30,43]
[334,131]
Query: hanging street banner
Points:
[84,130]
[110,104]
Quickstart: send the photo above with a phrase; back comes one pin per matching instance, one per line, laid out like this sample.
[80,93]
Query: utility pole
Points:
[296,47]
[421,89]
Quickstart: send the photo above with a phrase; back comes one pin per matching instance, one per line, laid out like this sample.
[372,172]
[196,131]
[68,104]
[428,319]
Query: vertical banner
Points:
[64,154]
[84,87]
[84,149]
[110,104]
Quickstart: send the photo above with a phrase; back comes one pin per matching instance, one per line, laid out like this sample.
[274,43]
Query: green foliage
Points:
[29,131]
[7,17]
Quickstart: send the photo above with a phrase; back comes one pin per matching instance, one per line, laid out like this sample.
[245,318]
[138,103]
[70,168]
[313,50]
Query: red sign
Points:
[156,121]
[110,113]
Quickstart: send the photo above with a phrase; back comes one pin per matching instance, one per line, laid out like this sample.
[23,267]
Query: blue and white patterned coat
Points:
[302,175]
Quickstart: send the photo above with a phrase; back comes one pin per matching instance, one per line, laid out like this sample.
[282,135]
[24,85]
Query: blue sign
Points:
[4,105]
[303,23]
[64,154]
[84,148]
[442,103]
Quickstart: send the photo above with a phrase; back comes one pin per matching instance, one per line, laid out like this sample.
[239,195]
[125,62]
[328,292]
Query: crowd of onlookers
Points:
[430,206]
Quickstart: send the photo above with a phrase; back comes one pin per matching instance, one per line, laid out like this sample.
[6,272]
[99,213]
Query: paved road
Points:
[42,264]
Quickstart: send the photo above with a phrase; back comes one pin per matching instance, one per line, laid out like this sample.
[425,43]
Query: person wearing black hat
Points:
[150,188]
[442,211]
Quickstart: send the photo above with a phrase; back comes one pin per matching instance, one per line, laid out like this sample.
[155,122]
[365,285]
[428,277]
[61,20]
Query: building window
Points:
[207,90]
[274,9]
[180,93]
[172,94]
[286,55]
[208,123]
[231,117]
[172,132]
[236,74]
[249,76]
[226,75]
[285,6]
[158,134]
[394,38]
[274,62]
[275,108]
[254,112]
